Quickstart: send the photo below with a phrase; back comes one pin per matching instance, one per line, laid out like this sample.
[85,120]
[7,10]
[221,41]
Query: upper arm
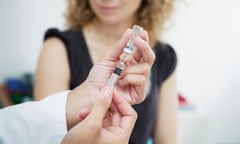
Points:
[166,124]
[52,73]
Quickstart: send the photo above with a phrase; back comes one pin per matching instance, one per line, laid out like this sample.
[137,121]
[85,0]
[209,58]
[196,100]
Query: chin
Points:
[112,20]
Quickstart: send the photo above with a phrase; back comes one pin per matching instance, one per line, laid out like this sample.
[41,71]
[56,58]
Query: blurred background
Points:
[205,34]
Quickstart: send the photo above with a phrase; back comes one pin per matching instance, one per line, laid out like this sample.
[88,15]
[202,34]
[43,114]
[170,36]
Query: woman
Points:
[94,26]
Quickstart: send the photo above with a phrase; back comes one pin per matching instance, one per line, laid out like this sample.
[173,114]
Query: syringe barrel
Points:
[128,51]
[112,81]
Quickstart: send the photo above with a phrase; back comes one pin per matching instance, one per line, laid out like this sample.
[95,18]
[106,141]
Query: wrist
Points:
[79,102]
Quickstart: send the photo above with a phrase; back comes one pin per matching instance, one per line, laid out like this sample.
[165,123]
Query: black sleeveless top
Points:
[80,64]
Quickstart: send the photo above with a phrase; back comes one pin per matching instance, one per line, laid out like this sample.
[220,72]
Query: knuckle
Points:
[93,124]
[134,115]
[128,78]
[140,99]
[104,99]
[154,56]
[146,67]
[142,80]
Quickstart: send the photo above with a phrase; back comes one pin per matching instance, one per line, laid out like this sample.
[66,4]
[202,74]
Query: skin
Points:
[115,12]
[101,35]
[100,127]
[132,79]
[99,75]
[111,118]
[166,124]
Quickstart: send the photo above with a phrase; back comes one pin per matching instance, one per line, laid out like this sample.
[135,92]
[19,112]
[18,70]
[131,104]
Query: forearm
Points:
[166,124]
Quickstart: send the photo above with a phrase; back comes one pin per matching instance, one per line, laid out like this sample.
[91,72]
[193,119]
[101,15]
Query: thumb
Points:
[100,107]
[121,44]
[92,124]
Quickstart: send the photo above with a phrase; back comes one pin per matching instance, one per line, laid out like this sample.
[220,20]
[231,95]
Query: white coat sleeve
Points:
[42,122]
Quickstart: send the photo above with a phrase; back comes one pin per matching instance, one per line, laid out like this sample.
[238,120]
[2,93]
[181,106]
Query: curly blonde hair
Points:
[151,15]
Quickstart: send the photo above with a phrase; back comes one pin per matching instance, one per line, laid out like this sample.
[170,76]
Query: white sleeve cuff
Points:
[57,110]
[44,121]
[60,115]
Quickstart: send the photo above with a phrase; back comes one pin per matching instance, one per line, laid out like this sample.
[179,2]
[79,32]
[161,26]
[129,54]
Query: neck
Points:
[110,32]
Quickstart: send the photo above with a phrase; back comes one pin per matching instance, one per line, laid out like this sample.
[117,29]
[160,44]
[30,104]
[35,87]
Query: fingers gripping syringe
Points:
[126,52]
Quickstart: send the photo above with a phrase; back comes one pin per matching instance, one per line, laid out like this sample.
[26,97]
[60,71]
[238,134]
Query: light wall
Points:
[205,34]
[22,26]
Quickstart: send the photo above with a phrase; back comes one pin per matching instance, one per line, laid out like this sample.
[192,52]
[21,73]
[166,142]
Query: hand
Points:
[100,127]
[132,83]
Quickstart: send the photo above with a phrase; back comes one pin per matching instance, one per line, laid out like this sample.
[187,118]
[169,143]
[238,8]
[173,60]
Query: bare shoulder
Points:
[52,73]
[54,43]
[53,48]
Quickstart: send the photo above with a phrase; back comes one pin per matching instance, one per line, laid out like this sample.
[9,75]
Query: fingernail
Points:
[147,35]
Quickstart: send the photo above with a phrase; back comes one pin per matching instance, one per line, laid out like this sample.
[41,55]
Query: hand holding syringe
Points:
[126,52]
[134,79]
[130,81]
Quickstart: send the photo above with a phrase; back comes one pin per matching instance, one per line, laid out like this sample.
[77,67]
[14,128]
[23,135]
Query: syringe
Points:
[126,52]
